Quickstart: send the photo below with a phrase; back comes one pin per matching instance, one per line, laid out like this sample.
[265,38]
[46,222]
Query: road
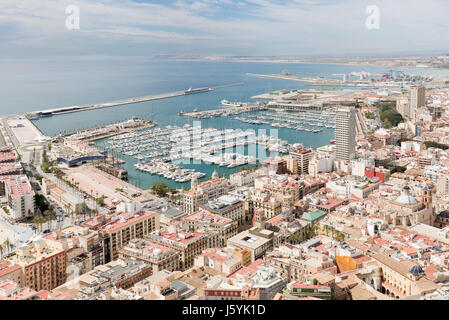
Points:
[67,220]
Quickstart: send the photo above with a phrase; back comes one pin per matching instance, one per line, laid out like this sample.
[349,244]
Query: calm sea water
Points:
[43,84]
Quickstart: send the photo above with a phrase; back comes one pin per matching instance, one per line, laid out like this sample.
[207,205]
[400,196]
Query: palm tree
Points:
[84,209]
[38,220]
[48,217]
[9,245]
[326,229]
[1,250]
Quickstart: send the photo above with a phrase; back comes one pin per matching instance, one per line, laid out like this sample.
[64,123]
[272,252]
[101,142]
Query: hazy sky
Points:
[222,27]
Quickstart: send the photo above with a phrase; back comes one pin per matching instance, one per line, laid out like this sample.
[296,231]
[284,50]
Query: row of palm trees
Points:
[99,200]
[309,233]
[6,246]
[49,215]
[331,231]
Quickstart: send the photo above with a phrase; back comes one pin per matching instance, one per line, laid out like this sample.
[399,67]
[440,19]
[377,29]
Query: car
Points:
[46,231]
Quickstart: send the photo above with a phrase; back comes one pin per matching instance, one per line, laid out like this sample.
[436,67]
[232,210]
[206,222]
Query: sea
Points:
[31,85]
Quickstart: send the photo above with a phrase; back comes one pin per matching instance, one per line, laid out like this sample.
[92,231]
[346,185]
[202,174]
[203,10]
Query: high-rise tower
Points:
[345,134]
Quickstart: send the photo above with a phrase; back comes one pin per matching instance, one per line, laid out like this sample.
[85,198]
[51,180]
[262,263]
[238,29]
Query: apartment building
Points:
[119,229]
[227,206]
[43,265]
[345,134]
[204,192]
[263,201]
[20,197]
[158,256]
[188,244]
[225,228]
[83,247]
[303,157]
[11,271]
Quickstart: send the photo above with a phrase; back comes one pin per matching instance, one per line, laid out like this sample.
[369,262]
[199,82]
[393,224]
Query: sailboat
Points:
[152,111]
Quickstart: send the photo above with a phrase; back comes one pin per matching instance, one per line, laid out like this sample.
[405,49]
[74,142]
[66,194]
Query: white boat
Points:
[227,103]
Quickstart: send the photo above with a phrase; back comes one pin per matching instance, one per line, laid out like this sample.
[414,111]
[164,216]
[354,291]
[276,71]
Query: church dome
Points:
[416,270]
[406,199]
[444,214]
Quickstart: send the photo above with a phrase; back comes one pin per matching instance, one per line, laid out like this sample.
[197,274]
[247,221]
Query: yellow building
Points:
[244,255]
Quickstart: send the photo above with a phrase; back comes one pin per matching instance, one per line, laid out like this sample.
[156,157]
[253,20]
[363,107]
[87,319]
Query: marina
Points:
[159,151]
[169,171]
[301,121]
[234,108]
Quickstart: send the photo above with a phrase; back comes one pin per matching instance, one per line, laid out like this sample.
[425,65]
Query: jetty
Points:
[72,109]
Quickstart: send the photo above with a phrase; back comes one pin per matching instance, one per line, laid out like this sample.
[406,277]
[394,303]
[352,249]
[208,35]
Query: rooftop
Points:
[204,217]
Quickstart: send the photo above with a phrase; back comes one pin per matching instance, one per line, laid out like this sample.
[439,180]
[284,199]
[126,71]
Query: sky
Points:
[294,28]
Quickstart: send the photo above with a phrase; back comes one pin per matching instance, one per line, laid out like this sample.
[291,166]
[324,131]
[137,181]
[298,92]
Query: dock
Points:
[311,80]
[87,107]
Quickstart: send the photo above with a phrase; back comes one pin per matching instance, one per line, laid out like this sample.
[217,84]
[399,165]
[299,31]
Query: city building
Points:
[188,244]
[223,260]
[204,192]
[43,265]
[9,290]
[227,206]
[120,273]
[158,256]
[121,228]
[20,197]
[265,203]
[417,100]
[83,247]
[203,220]
[303,289]
[11,271]
[303,157]
[257,241]
[345,134]
[405,210]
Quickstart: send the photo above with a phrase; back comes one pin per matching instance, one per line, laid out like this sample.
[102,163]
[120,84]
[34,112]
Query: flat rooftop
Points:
[204,217]
[246,239]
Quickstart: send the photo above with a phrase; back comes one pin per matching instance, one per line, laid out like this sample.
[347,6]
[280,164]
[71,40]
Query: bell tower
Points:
[259,219]
[427,196]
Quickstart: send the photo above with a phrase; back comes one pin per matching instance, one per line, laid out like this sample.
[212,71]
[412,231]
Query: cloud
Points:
[228,27]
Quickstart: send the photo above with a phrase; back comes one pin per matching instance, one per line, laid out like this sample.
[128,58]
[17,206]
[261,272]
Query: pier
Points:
[216,113]
[65,110]
[312,80]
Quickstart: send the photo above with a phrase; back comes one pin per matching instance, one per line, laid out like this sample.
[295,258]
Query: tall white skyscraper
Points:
[345,134]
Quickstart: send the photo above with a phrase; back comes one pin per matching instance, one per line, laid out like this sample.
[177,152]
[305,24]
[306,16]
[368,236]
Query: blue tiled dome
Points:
[416,270]
[444,214]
